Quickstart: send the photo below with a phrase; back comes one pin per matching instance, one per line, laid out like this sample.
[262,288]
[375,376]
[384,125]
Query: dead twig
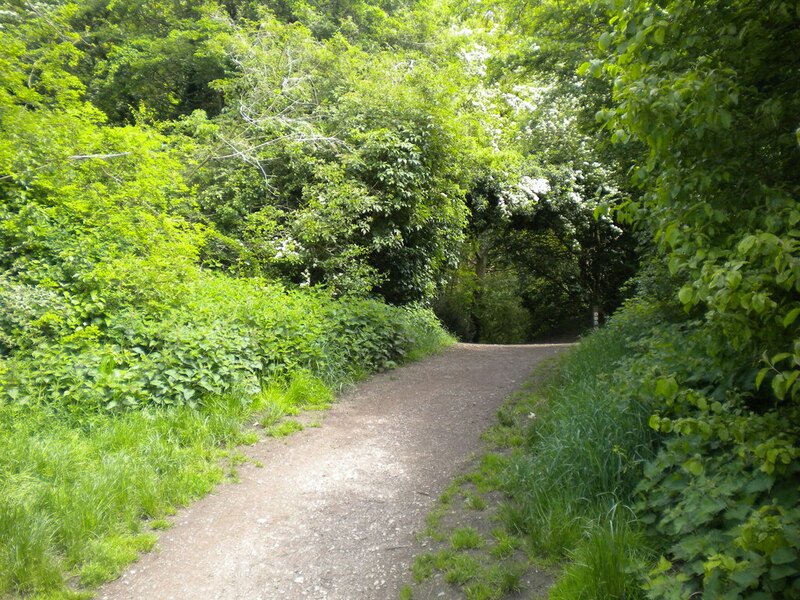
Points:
[73,157]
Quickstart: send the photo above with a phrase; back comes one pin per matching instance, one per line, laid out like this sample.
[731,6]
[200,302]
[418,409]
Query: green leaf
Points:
[783,556]
[760,377]
[759,302]
[686,295]
[782,571]
[791,377]
[746,244]
[779,386]
[695,467]
[666,387]
[654,422]
[746,578]
[663,566]
[672,235]
[791,317]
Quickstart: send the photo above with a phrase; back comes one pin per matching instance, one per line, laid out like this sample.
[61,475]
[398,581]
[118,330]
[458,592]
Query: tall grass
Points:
[584,450]
[602,565]
[79,483]
[74,494]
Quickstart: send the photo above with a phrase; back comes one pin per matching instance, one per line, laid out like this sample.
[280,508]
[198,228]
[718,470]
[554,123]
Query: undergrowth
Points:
[647,469]
[105,432]
[572,481]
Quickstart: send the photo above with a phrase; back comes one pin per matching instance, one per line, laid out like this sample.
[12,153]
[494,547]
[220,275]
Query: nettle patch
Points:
[185,354]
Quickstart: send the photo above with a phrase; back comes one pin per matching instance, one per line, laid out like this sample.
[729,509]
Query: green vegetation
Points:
[74,494]
[591,484]
[80,473]
[698,88]
[466,571]
[664,462]
[217,213]
[133,346]
[465,537]
[285,428]
[572,481]
[481,553]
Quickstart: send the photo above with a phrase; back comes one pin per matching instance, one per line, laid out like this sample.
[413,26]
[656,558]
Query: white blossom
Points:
[476,58]
[534,187]
[287,249]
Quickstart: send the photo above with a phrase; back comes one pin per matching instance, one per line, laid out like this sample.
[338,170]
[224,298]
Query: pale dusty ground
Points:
[333,511]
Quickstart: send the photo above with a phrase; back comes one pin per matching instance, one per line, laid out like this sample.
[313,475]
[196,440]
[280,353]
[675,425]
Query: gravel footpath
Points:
[333,511]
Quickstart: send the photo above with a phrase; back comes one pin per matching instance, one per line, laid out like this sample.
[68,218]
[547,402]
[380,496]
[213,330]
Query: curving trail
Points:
[333,511]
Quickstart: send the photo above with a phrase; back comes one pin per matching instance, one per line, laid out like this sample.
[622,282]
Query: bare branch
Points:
[97,156]
[73,157]
[299,138]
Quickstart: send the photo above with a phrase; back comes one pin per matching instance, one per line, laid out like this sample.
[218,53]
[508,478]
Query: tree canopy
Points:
[189,190]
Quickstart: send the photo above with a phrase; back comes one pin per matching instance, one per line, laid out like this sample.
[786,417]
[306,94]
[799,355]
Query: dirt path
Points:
[333,511]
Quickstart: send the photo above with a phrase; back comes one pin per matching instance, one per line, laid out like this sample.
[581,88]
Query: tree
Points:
[80,202]
[162,56]
[341,164]
[710,92]
[538,188]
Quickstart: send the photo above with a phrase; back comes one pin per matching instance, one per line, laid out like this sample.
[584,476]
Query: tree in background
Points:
[78,195]
[542,250]
[335,166]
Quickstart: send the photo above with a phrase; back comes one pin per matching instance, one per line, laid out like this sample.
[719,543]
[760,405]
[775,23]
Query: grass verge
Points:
[553,485]
[82,493]
[77,492]
[470,553]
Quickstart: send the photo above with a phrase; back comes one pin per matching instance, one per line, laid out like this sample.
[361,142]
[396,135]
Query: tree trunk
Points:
[481,264]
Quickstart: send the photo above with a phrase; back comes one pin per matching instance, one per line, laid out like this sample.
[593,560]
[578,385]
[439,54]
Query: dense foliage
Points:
[702,105]
[202,201]
[131,346]
[538,259]
[709,91]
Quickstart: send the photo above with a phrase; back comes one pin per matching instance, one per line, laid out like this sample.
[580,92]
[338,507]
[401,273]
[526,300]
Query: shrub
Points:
[226,332]
[125,418]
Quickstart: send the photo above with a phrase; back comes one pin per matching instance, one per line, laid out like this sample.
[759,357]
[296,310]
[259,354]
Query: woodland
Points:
[217,209]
